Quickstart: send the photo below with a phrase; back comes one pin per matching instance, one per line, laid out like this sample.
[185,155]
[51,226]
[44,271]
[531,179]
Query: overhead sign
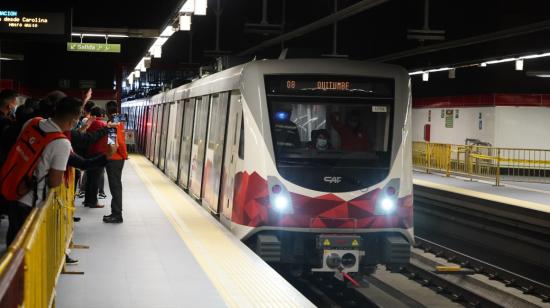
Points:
[15,21]
[93,47]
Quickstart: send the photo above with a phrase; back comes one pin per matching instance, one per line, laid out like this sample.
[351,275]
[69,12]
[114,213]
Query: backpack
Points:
[17,173]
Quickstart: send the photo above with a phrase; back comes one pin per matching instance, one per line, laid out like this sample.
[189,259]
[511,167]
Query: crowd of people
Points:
[42,138]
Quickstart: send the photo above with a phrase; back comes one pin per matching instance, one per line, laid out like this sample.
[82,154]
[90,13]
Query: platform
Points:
[530,195]
[169,252]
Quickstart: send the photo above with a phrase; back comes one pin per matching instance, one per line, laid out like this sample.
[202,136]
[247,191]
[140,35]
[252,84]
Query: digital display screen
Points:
[25,22]
[330,85]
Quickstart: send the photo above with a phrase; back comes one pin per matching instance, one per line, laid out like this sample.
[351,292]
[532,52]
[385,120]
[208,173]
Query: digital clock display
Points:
[24,22]
[342,86]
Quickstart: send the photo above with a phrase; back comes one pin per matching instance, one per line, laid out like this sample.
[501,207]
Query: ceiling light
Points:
[536,56]
[483,64]
[542,74]
[519,65]
[500,61]
[425,76]
[188,7]
[416,73]
[200,7]
[185,22]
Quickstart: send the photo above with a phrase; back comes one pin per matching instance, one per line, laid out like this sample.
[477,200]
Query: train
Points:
[307,161]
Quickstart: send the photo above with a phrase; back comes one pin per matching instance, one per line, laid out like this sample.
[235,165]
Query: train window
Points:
[342,137]
[241,141]
[215,149]
[199,146]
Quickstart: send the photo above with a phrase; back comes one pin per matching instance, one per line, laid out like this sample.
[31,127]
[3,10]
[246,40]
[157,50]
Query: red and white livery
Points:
[308,161]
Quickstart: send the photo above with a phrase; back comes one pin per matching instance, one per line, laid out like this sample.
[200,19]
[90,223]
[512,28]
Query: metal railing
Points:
[473,161]
[31,266]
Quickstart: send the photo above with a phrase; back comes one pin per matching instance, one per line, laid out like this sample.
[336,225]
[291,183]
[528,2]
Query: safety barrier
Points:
[498,164]
[30,268]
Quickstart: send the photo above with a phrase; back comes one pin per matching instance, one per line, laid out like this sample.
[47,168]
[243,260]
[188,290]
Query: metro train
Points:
[307,161]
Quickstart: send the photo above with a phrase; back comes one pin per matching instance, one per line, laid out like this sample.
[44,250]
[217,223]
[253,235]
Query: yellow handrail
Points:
[530,165]
[44,237]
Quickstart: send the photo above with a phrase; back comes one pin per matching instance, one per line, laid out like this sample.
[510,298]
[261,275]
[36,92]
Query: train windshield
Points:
[331,134]
[346,137]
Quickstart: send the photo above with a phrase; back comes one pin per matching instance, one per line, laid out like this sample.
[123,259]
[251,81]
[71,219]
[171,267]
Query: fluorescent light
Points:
[519,65]
[425,76]
[188,7]
[536,56]
[200,7]
[542,74]
[185,22]
[99,35]
[501,61]
[167,32]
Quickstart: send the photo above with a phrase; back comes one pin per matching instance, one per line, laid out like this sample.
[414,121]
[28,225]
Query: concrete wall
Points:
[522,127]
[465,126]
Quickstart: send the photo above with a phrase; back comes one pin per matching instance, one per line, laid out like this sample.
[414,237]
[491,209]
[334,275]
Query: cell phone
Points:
[111,136]
[120,118]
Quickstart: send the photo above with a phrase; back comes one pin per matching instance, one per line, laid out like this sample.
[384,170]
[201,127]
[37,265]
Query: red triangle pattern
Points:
[251,208]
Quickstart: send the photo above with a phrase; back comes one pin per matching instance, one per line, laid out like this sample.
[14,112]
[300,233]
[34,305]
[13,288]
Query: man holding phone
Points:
[116,163]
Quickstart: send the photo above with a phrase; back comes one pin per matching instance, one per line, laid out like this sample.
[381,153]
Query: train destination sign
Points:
[93,47]
[16,21]
[330,85]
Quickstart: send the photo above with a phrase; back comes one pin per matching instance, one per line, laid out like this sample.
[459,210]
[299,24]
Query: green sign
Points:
[449,118]
[93,47]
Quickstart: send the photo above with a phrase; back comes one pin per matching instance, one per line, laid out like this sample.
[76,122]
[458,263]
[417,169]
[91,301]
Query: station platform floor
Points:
[169,252]
[531,195]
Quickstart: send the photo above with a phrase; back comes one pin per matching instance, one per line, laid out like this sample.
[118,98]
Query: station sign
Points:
[26,22]
[93,47]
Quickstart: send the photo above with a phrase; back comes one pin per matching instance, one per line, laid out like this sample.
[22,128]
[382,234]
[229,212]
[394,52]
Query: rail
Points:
[495,163]
[31,266]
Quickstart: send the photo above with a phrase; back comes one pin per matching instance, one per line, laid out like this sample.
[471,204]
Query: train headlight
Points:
[388,205]
[281,203]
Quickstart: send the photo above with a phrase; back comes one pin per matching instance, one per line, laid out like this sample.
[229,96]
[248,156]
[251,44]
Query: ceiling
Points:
[376,32]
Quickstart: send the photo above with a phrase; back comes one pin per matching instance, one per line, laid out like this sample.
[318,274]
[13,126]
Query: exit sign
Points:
[93,47]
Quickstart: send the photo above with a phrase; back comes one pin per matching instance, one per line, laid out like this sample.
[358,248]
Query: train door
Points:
[214,151]
[164,135]
[158,128]
[147,130]
[233,140]
[186,142]
[172,145]
[153,133]
[199,146]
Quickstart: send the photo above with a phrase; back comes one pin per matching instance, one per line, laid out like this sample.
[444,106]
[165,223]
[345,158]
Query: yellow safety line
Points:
[487,196]
[241,278]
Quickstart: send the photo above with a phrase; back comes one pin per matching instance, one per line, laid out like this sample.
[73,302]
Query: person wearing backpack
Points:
[37,162]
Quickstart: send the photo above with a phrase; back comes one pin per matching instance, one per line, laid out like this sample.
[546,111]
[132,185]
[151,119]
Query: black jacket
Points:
[82,163]
[80,141]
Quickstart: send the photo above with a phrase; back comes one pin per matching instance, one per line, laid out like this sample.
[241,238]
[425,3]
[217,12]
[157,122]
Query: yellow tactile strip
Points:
[501,199]
[241,277]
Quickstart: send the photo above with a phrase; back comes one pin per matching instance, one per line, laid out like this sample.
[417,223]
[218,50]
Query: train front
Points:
[335,193]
